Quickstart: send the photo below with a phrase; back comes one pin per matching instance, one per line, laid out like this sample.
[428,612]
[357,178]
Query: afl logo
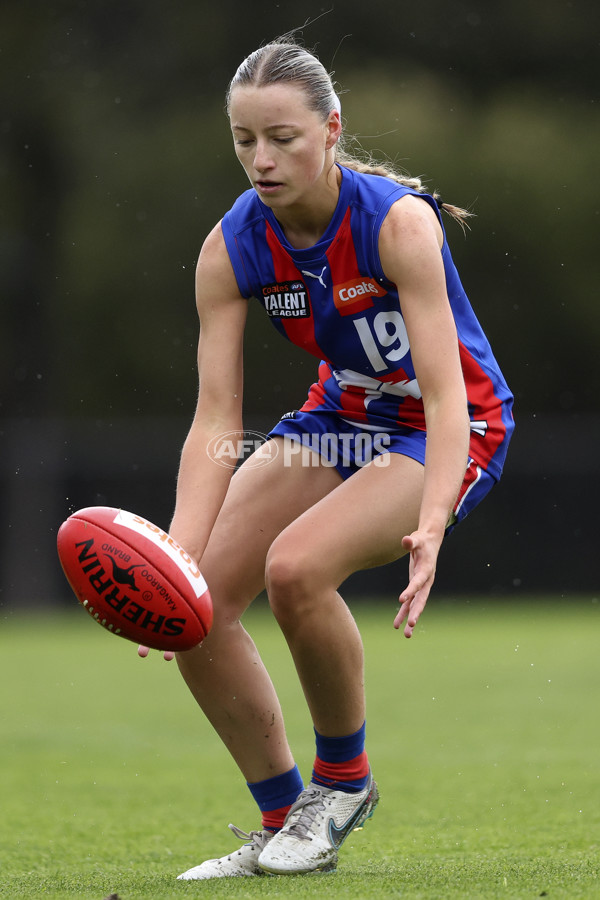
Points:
[230,449]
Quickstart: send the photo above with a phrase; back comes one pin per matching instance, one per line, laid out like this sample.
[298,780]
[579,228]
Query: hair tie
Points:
[439,202]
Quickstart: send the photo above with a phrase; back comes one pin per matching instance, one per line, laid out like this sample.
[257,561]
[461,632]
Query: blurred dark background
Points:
[116,161]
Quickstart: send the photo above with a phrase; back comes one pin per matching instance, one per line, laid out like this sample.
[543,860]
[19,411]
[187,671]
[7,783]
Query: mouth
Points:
[267,187]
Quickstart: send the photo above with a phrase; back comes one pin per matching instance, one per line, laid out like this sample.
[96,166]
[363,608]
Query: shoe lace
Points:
[260,838]
[304,812]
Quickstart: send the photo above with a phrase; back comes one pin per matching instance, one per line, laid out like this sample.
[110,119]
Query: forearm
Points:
[445,462]
[201,485]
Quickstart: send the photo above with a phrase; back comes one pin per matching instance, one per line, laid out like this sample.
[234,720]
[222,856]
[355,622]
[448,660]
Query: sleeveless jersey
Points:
[334,300]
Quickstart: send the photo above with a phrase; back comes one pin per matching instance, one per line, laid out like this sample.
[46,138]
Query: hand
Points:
[144,651]
[423,549]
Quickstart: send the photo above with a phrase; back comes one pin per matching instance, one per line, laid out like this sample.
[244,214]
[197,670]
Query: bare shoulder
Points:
[222,312]
[409,218]
[214,243]
[410,241]
[214,272]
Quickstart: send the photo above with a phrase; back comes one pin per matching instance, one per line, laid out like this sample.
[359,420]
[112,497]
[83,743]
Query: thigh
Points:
[358,525]
[262,500]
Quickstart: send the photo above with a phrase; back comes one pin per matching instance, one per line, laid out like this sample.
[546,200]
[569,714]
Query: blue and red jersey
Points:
[334,300]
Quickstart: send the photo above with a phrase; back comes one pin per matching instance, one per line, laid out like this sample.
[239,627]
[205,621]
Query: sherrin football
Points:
[134,579]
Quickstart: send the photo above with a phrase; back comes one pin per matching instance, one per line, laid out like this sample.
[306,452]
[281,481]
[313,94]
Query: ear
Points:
[333,127]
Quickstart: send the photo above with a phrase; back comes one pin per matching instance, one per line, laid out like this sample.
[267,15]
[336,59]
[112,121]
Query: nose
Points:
[262,157]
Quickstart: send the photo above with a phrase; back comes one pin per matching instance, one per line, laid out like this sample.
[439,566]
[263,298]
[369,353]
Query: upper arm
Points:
[222,312]
[410,250]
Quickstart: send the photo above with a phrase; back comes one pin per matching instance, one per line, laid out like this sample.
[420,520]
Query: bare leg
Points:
[225,674]
[357,526]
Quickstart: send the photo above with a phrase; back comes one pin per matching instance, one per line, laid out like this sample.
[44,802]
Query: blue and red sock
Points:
[341,763]
[274,797]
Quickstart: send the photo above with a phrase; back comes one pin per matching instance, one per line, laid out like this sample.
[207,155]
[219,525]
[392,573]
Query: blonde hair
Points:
[284,60]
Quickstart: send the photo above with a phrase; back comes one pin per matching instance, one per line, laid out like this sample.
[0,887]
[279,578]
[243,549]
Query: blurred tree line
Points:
[116,160]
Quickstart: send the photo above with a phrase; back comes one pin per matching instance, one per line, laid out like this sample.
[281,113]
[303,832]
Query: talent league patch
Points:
[287,300]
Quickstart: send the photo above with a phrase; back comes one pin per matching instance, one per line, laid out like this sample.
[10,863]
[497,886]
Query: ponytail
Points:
[370,166]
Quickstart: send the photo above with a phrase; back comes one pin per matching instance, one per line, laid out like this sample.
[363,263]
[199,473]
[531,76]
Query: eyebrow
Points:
[269,128]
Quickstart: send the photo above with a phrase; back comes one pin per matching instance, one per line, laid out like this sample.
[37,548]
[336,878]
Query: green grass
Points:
[483,732]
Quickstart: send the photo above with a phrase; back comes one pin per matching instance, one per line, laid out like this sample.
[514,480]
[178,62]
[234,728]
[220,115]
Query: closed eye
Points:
[245,142]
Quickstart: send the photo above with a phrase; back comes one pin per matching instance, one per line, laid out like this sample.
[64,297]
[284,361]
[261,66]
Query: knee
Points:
[289,581]
[231,591]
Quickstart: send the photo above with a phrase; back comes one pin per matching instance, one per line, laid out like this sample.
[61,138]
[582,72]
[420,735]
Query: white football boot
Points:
[315,828]
[240,864]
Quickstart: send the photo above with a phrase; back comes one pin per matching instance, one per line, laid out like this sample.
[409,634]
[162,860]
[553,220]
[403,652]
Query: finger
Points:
[412,620]
[400,617]
[410,611]
[417,607]
[403,611]
[143,651]
[415,586]
[408,542]
[169,655]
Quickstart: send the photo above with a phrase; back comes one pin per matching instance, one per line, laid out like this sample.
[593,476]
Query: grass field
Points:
[483,733]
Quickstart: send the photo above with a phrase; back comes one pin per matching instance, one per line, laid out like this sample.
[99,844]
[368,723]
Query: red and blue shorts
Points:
[348,447]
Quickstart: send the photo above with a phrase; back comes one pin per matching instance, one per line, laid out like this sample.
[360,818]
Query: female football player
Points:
[402,434]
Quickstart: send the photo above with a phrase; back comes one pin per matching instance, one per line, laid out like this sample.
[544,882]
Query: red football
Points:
[134,579]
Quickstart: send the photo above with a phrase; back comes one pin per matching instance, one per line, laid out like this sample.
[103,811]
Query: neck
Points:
[305,223]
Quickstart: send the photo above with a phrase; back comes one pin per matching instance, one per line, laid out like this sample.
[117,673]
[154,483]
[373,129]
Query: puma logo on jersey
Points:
[318,277]
[356,295]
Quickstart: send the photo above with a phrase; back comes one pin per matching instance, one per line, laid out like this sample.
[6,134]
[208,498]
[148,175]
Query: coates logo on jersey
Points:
[356,295]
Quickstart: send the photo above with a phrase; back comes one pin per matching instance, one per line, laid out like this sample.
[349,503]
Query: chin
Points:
[273,202]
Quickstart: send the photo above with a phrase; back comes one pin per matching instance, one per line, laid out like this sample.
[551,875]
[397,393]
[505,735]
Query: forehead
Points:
[268,105]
